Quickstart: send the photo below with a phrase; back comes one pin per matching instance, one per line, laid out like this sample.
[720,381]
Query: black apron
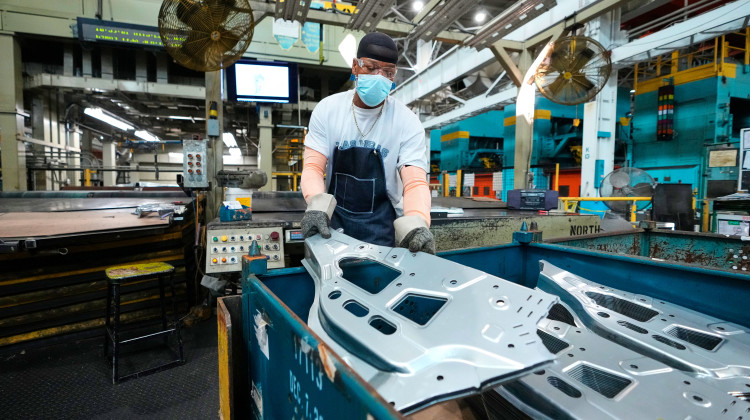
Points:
[363,208]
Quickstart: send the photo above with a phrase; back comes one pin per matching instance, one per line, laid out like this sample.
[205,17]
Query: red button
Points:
[274,236]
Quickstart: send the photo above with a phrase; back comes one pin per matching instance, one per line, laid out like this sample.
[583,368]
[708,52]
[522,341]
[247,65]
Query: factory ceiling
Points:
[426,31]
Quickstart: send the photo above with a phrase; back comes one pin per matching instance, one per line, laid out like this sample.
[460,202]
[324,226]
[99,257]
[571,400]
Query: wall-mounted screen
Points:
[262,81]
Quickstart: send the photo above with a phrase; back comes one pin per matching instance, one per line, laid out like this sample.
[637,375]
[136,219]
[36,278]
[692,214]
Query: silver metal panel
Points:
[617,383]
[676,336]
[477,331]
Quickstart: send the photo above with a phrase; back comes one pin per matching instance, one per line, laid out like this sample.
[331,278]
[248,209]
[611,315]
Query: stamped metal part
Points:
[676,336]
[418,328]
[594,378]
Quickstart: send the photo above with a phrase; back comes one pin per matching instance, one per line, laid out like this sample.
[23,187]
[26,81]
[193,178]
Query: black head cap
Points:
[378,46]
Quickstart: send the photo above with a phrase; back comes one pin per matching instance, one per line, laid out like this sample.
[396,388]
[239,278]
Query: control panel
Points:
[294,236]
[194,171]
[227,244]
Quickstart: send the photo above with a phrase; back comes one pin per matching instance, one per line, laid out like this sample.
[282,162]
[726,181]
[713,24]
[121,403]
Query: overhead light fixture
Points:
[417,5]
[101,116]
[437,16]
[145,135]
[480,16]
[292,10]
[508,21]
[186,118]
[368,14]
[235,151]
[348,49]
[229,140]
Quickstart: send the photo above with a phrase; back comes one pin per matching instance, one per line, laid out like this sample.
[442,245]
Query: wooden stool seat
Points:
[121,275]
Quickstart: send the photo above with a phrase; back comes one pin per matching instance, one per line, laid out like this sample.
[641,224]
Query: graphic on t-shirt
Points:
[368,144]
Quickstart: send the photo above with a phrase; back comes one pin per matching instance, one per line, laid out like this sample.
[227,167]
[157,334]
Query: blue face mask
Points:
[373,88]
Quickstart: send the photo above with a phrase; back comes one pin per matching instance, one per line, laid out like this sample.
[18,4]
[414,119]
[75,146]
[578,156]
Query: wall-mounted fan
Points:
[574,71]
[206,35]
[627,182]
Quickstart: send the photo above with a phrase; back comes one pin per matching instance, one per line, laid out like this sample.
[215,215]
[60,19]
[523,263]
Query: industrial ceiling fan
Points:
[627,182]
[206,35]
[574,70]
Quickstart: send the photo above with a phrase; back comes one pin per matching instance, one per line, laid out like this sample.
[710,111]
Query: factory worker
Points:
[373,149]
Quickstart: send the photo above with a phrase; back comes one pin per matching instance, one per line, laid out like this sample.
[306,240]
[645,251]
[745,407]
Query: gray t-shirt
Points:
[397,134]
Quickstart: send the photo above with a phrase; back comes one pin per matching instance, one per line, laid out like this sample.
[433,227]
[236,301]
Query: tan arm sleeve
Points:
[314,167]
[417,199]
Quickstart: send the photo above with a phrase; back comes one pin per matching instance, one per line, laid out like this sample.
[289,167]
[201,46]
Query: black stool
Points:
[120,275]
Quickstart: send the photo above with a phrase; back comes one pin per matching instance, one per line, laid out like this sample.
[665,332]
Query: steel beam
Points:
[454,64]
[727,18]
[13,162]
[126,86]
[473,106]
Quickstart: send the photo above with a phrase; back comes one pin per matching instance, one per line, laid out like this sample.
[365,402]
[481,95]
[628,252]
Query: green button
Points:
[216,239]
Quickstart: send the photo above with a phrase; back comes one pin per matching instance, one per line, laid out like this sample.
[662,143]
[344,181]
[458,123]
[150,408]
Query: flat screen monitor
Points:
[262,81]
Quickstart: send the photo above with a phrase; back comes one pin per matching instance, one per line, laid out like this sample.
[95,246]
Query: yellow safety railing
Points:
[570,203]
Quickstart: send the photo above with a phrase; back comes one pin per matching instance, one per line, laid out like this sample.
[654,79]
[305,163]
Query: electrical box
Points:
[194,164]
[227,242]
[532,199]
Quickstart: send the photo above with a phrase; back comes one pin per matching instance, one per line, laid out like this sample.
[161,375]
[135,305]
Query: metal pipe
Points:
[557,176]
[676,15]
[124,169]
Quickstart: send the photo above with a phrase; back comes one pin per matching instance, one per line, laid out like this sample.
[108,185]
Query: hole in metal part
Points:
[697,398]
[398,284]
[698,338]
[720,328]
[671,316]
[605,383]
[570,354]
[622,306]
[553,344]
[500,302]
[361,247]
[510,346]
[334,295]
[356,308]
[563,386]
[454,282]
[495,286]
[642,300]
[394,256]
[668,342]
[367,274]
[603,314]
[686,382]
[380,324]
[633,327]
[560,313]
[419,308]
[440,377]
[556,328]
[412,274]
[539,372]
[582,348]
[634,366]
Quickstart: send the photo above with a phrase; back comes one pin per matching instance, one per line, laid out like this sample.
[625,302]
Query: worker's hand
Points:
[413,233]
[317,218]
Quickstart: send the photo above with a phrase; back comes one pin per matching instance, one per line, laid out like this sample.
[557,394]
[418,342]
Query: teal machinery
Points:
[485,143]
[690,113]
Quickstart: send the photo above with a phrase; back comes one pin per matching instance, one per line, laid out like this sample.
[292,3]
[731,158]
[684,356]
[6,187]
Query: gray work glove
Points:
[413,233]
[317,218]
